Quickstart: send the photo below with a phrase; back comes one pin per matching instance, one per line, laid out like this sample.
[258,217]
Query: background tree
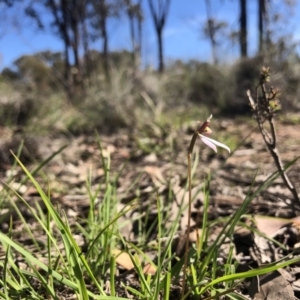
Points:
[102,10]
[278,28]
[262,23]
[33,72]
[140,19]
[159,15]
[59,12]
[85,35]
[100,15]
[243,28]
[212,30]
[135,17]
[68,18]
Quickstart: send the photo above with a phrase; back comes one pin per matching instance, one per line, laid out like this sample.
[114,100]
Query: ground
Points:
[156,163]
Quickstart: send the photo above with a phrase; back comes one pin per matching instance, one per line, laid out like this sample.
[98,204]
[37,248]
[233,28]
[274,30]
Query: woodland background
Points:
[83,87]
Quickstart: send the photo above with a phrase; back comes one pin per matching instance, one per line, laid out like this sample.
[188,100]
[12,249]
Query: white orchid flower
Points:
[203,131]
[211,143]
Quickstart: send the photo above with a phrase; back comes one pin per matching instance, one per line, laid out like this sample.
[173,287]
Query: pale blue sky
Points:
[182,36]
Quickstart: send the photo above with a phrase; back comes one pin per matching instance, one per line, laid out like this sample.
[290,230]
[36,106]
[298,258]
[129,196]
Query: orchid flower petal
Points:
[213,143]
[206,141]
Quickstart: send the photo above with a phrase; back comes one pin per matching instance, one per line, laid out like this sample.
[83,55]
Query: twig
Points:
[264,107]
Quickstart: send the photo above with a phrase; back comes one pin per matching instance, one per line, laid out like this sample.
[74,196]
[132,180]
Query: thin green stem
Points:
[190,151]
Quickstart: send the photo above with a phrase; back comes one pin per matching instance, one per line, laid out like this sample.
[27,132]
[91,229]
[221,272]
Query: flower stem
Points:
[189,153]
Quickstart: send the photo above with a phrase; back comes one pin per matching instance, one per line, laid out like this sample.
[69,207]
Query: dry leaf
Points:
[273,286]
[149,269]
[270,225]
[123,259]
[156,175]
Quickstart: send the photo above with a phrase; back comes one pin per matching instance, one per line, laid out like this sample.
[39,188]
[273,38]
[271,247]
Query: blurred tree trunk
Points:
[135,17]
[75,25]
[140,33]
[69,17]
[159,16]
[160,51]
[243,28]
[211,32]
[102,10]
[85,42]
[130,14]
[132,36]
[214,31]
[105,46]
[262,21]
[60,13]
